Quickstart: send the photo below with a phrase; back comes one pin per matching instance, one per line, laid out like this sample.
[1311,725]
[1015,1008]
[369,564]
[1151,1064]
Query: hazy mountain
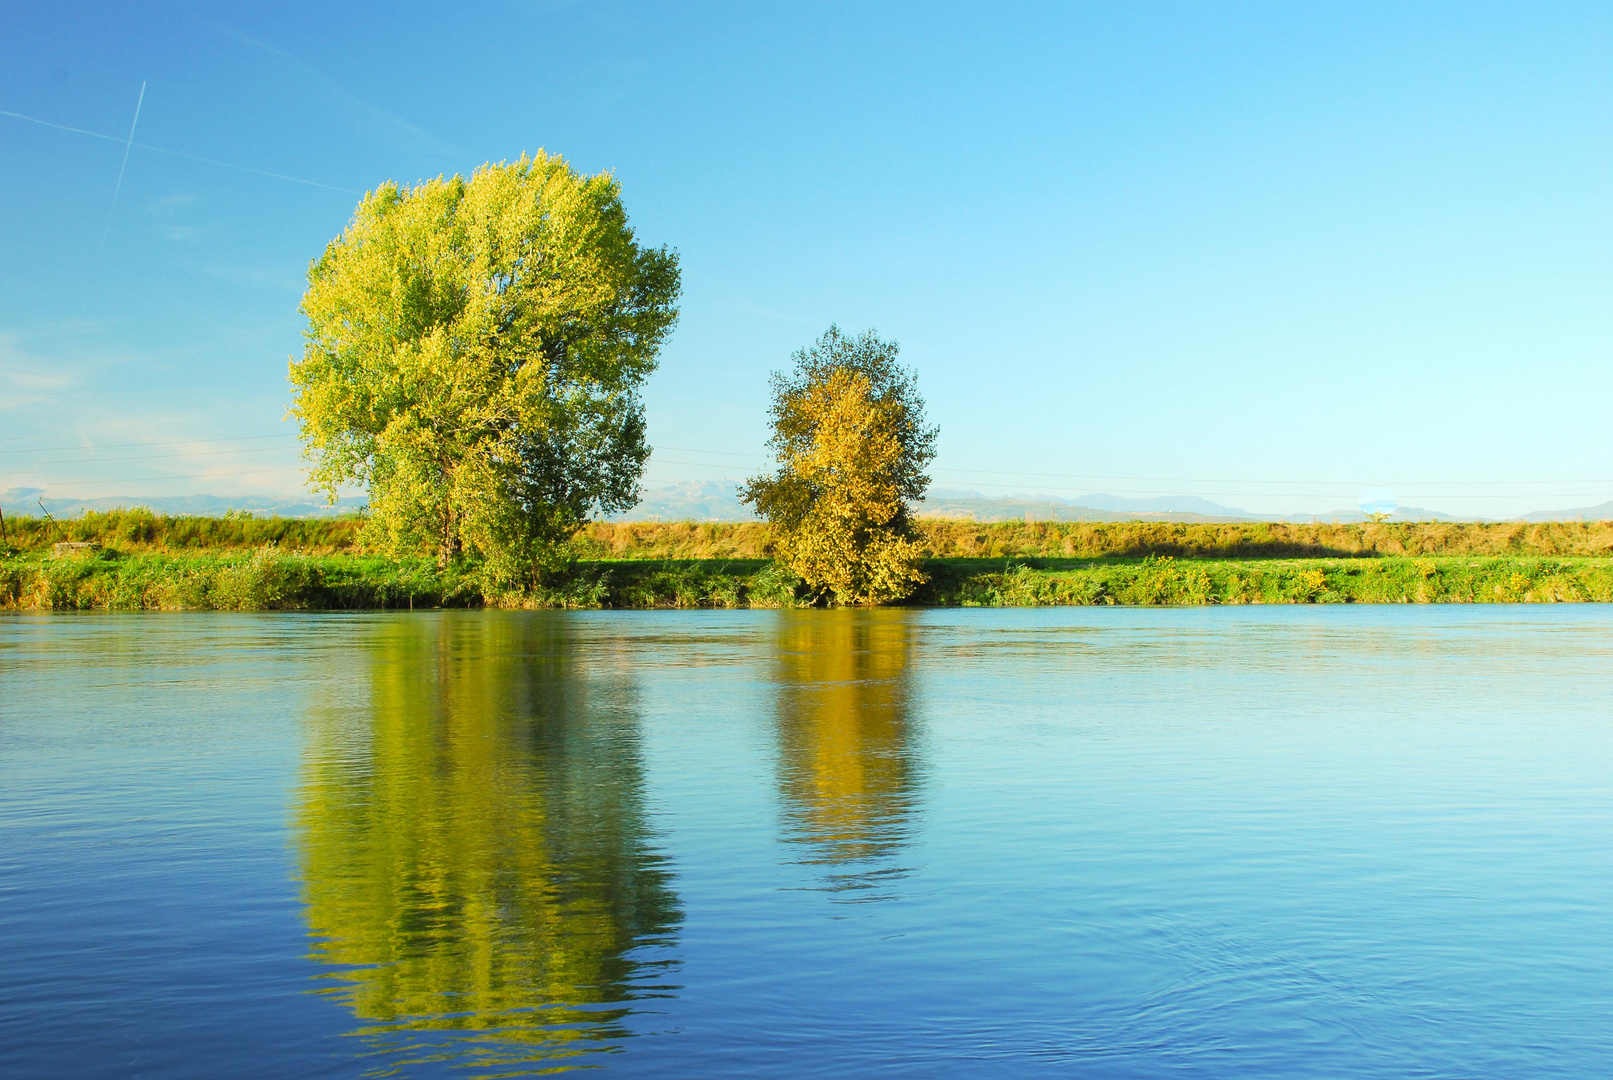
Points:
[1601,512]
[1192,504]
[693,500]
[1349,517]
[1165,504]
[972,505]
[718,500]
[1105,507]
[25,502]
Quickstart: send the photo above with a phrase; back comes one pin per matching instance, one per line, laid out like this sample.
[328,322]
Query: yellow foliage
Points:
[852,542]
[852,447]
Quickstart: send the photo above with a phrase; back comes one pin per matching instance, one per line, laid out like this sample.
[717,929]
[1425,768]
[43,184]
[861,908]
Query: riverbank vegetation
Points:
[144,561]
[271,578]
[140,530]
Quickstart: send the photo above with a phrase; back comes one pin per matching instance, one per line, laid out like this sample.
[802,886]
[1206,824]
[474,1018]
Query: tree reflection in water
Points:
[474,848]
[848,767]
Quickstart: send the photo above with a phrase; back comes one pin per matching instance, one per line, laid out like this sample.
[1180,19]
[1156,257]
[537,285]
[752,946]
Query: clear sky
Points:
[1272,254]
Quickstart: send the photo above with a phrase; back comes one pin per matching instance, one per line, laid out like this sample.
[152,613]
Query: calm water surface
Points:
[1365,842]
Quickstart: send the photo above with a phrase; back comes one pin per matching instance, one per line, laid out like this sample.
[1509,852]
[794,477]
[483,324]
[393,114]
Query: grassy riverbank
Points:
[140,531]
[271,579]
[158,562]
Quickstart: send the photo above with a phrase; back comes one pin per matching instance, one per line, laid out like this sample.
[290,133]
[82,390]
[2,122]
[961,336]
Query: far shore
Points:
[139,561]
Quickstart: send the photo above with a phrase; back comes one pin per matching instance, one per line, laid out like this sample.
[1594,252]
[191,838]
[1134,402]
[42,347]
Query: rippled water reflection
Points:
[1365,842]
[473,842]
[848,769]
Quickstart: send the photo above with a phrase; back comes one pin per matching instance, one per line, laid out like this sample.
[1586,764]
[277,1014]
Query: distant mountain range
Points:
[1106,507]
[718,500]
[28,502]
[1161,504]
[694,500]
[1600,512]
[972,506]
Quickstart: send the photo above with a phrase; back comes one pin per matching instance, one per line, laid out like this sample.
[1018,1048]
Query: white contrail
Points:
[179,153]
[247,169]
[127,146]
[59,127]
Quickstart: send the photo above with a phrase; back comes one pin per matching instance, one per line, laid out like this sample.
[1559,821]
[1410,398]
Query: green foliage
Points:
[1168,581]
[274,578]
[139,528]
[263,580]
[474,356]
[664,584]
[851,446]
[1259,540]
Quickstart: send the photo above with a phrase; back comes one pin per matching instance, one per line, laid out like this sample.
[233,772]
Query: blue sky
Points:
[1271,254]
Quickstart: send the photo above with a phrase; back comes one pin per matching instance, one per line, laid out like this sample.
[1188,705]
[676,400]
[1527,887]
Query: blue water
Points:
[1364,842]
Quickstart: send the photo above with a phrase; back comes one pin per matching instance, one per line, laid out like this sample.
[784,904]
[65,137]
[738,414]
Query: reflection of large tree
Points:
[847,763]
[473,842]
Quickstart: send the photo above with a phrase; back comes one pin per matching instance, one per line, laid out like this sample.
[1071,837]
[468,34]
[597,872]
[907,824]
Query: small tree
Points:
[475,350]
[851,446]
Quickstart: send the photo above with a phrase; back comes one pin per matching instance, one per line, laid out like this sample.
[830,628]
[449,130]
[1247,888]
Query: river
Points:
[1253,842]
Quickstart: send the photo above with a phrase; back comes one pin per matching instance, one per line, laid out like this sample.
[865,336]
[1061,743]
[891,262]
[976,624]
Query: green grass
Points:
[1165,580]
[139,529]
[1264,540]
[262,580]
[271,579]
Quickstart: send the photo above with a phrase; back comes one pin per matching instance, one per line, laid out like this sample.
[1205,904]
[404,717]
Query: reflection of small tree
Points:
[849,436]
[847,753]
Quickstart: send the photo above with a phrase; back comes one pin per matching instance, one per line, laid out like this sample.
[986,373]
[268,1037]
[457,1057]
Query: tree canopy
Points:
[475,349]
[851,448]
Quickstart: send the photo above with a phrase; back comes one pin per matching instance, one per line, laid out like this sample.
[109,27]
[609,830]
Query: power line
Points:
[1332,483]
[1400,496]
[193,476]
[169,442]
[155,457]
[714,453]
[1050,490]
[187,476]
[55,395]
[1172,479]
[1313,484]
[1314,493]
[278,471]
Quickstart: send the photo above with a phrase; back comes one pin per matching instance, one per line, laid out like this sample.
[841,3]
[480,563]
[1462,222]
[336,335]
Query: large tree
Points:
[851,447]
[475,349]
